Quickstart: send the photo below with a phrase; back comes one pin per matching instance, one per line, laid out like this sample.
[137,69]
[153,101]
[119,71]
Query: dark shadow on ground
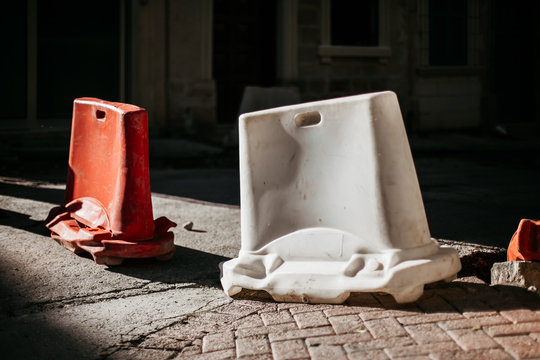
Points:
[475,297]
[217,185]
[459,296]
[22,222]
[37,168]
[472,195]
[188,265]
[31,336]
[32,192]
[479,197]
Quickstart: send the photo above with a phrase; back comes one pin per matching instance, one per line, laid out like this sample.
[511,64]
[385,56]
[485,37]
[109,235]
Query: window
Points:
[354,23]
[450,36]
[354,29]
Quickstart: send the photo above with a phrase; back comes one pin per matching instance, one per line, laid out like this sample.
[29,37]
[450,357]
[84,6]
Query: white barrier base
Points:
[401,273]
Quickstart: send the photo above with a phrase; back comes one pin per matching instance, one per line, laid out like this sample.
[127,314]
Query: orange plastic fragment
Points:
[525,244]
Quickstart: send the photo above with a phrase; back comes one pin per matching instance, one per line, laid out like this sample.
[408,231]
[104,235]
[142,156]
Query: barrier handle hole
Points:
[100,115]
[307,119]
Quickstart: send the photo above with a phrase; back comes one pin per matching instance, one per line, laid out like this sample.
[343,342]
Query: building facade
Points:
[454,64]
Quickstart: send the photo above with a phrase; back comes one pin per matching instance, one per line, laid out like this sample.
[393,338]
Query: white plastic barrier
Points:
[330,204]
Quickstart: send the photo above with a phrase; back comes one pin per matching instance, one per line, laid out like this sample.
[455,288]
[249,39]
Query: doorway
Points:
[516,59]
[244,51]
[59,50]
[78,54]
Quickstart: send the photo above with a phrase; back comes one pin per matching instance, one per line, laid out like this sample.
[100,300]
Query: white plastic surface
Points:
[330,204]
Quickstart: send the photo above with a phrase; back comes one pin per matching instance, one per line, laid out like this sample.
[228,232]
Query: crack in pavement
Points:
[144,289]
[134,340]
[200,309]
[184,319]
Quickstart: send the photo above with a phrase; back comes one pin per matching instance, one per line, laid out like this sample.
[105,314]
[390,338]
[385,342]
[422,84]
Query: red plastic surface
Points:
[108,206]
[525,244]
[108,161]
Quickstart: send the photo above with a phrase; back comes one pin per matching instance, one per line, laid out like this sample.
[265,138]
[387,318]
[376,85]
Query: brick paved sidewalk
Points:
[465,319]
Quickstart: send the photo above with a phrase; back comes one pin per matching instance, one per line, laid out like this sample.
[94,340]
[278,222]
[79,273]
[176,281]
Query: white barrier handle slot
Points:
[307,119]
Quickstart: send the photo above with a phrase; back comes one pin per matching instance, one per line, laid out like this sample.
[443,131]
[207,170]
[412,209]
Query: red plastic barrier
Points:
[525,244]
[108,206]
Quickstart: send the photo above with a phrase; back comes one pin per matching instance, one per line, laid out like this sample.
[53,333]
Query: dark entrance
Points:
[516,60]
[244,52]
[76,49]
[13,63]
[78,54]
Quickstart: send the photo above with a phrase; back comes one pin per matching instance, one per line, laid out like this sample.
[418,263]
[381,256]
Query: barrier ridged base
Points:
[102,245]
[114,252]
[401,273]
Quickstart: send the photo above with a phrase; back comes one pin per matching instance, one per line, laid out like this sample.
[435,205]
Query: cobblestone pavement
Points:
[465,319]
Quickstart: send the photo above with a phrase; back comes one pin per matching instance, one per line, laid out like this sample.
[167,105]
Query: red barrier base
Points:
[72,231]
[113,252]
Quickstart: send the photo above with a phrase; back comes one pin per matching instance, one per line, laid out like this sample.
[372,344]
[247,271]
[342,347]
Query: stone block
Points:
[308,54]
[310,35]
[311,319]
[525,274]
[308,15]
[317,86]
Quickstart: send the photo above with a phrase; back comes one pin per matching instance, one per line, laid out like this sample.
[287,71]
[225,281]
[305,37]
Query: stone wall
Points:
[448,102]
[172,60]
[173,77]
[191,91]
[148,56]
[324,77]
